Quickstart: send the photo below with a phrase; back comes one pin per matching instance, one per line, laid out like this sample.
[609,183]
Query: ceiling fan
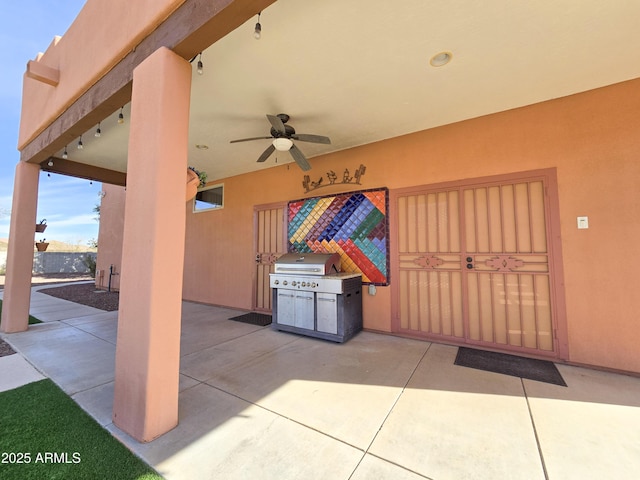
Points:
[283,136]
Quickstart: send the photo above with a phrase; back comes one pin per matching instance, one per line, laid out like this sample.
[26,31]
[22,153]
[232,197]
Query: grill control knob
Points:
[285,283]
[304,284]
[313,285]
[276,282]
[293,284]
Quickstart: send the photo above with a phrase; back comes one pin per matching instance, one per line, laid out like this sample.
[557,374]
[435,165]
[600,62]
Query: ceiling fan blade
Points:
[300,159]
[270,149]
[305,137]
[277,124]
[249,139]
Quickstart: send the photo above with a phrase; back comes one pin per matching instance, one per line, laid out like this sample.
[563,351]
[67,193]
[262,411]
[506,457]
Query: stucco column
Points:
[17,289]
[148,345]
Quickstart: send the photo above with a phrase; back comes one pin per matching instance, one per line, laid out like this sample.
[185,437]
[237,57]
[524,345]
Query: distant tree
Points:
[93,243]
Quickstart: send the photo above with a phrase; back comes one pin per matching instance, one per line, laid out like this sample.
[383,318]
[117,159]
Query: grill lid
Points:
[308,263]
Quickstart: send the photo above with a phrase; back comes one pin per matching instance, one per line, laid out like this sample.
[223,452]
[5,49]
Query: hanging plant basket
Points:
[42,226]
[195,180]
[192,184]
[42,246]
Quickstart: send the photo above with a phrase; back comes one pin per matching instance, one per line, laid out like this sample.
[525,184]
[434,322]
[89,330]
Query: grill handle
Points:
[297,270]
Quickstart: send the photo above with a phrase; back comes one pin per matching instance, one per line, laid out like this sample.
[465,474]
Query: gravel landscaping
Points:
[86,294]
[5,349]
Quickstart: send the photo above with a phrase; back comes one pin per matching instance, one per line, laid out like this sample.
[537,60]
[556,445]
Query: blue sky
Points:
[26,28]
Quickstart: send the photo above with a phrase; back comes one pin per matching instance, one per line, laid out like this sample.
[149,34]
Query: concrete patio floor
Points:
[261,404]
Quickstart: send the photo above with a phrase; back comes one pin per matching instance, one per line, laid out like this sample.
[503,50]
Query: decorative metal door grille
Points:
[473,266]
[270,245]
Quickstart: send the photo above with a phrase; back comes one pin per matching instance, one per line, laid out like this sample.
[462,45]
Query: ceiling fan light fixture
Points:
[280,136]
[282,144]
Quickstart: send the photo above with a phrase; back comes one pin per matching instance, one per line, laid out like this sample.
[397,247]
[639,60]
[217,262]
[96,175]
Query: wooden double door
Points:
[474,263]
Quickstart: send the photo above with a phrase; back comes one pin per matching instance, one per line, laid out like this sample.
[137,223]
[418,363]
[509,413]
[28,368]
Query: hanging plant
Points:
[42,245]
[202,176]
[42,226]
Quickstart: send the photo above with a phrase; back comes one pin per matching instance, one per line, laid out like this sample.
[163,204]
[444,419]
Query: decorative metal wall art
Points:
[354,225]
[333,179]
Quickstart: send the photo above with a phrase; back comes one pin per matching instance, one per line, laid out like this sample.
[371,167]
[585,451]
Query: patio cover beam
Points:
[83,170]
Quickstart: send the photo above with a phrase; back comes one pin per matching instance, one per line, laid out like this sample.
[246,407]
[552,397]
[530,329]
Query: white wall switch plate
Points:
[583,222]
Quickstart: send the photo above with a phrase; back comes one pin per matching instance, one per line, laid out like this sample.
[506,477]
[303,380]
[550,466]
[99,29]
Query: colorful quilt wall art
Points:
[354,225]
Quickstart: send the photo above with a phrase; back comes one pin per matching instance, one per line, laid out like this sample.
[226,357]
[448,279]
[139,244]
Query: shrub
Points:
[89,261]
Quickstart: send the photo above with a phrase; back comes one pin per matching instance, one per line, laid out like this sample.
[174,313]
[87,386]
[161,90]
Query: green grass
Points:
[61,440]
[32,320]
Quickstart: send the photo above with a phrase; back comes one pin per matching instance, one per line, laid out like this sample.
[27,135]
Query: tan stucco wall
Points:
[110,236]
[101,35]
[593,139]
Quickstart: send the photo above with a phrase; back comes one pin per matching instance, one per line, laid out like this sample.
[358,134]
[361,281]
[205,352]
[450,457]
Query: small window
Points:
[209,198]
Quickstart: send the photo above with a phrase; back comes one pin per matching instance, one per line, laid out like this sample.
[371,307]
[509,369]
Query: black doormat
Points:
[253,318]
[539,370]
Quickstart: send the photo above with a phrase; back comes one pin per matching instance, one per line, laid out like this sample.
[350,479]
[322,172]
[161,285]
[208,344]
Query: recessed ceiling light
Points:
[201,146]
[440,59]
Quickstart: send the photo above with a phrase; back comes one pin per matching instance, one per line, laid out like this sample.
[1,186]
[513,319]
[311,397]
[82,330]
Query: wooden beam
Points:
[194,26]
[82,170]
[43,73]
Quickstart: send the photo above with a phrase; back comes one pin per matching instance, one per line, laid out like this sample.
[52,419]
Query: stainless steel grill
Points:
[311,297]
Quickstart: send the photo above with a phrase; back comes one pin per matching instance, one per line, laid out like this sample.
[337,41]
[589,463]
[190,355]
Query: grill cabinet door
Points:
[286,310]
[327,311]
[304,310]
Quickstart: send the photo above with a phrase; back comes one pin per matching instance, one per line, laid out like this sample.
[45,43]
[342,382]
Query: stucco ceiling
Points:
[358,71]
